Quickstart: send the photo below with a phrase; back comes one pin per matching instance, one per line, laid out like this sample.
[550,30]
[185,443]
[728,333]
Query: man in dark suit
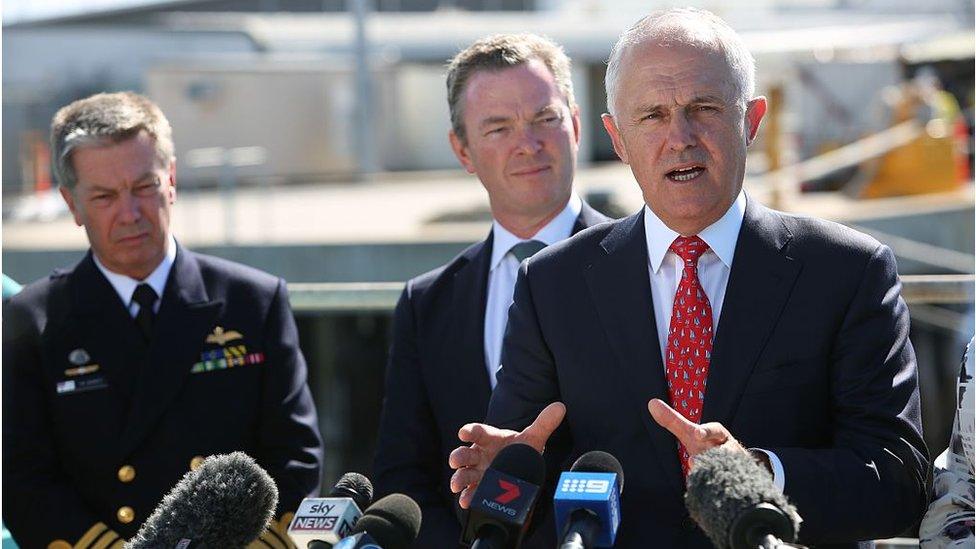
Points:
[515,126]
[706,315]
[123,372]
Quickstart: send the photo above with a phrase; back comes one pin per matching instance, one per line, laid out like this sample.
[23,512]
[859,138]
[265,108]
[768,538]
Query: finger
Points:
[685,431]
[546,423]
[713,433]
[465,456]
[467,496]
[475,432]
[463,478]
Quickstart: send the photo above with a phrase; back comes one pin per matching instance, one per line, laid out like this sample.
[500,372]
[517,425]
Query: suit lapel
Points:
[620,286]
[759,285]
[470,295]
[186,315]
[588,217]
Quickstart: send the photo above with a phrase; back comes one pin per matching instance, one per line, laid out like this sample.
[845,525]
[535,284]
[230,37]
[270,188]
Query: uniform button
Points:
[196,462]
[59,544]
[689,524]
[127,473]
[125,514]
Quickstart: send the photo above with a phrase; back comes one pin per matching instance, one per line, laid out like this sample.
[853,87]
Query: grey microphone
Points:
[227,502]
[733,499]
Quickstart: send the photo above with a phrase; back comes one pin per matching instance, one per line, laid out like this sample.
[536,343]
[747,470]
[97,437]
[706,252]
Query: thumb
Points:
[548,420]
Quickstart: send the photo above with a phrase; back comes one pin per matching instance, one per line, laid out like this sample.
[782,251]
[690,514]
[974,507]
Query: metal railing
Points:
[343,297]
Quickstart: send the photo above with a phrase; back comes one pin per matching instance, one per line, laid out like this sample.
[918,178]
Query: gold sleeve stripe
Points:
[119,544]
[258,544]
[269,537]
[107,539]
[91,535]
[274,531]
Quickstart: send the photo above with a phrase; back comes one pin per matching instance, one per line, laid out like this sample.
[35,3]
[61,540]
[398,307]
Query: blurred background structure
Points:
[311,142]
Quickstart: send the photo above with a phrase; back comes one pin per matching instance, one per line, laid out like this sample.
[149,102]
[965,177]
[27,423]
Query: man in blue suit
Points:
[516,126]
[707,319]
[123,372]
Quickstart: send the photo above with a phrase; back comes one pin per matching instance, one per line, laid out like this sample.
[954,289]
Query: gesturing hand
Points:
[486,441]
[694,437]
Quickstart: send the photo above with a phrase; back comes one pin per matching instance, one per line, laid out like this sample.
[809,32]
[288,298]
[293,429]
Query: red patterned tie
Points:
[689,347]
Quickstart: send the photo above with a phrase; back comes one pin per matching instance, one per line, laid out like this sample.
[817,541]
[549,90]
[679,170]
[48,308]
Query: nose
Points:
[528,140]
[681,133]
[129,205]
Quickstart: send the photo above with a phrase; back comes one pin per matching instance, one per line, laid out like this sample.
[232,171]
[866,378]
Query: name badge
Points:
[81,385]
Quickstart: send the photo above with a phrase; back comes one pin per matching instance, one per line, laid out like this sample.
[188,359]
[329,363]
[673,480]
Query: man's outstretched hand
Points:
[470,462]
[694,437]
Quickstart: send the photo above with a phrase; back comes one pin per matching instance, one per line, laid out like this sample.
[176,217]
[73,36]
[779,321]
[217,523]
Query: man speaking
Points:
[707,319]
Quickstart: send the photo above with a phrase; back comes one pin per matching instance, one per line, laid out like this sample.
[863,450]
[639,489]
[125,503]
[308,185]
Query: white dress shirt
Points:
[503,271]
[125,286]
[714,267]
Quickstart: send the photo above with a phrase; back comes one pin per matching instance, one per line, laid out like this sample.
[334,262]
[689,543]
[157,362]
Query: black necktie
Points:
[145,296]
[525,250]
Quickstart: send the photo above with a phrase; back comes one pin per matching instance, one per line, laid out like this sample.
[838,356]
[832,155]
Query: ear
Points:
[755,111]
[577,128]
[610,124]
[171,190]
[69,199]
[461,151]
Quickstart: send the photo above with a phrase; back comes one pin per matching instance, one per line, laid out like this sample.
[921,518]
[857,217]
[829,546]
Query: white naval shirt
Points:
[125,286]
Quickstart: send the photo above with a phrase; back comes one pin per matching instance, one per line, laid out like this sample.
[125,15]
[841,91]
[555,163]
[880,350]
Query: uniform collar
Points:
[125,286]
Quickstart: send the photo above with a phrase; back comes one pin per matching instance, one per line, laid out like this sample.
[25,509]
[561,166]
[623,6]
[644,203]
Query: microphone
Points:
[321,522]
[735,502]
[502,503]
[587,501]
[226,502]
[393,522]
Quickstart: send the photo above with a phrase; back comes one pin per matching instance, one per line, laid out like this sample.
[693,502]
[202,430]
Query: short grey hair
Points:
[690,26]
[103,119]
[503,51]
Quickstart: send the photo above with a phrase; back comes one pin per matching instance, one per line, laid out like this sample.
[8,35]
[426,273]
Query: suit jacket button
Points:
[59,544]
[196,462]
[127,473]
[688,524]
[125,514]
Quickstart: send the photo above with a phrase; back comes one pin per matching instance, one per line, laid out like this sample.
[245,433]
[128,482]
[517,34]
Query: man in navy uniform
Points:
[123,372]
[515,125]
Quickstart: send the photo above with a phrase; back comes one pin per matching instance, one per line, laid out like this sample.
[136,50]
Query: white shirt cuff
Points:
[779,476]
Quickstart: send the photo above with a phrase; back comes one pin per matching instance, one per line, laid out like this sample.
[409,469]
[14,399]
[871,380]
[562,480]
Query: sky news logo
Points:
[584,486]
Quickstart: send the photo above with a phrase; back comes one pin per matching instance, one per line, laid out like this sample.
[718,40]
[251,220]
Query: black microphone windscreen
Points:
[354,486]
[722,484]
[393,521]
[521,461]
[596,461]
[226,502]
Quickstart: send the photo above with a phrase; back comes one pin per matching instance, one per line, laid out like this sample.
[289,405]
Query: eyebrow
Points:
[101,189]
[694,101]
[491,120]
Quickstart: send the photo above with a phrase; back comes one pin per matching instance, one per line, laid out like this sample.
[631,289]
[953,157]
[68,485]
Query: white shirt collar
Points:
[720,236]
[560,228]
[125,286]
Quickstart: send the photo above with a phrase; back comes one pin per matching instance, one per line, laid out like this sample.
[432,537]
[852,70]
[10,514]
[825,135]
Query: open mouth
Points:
[685,174]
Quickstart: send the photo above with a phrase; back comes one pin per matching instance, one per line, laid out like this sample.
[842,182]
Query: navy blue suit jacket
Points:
[153,406]
[436,381]
[811,360]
